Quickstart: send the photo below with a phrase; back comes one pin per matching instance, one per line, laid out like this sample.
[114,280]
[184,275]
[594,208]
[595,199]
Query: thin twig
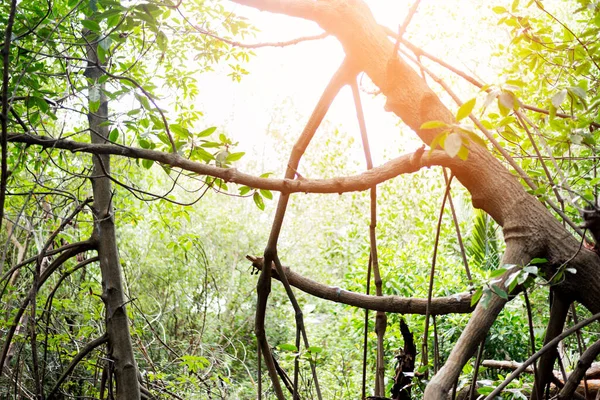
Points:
[380,317]
[261,45]
[424,356]
[530,325]
[476,371]
[461,245]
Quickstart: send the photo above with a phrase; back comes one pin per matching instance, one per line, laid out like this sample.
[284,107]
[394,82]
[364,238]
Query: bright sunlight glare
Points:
[290,80]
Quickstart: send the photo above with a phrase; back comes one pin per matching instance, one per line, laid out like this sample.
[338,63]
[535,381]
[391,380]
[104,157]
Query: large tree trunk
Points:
[530,230]
[120,351]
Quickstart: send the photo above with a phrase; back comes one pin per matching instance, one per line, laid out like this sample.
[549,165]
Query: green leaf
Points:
[200,154]
[112,11]
[40,103]
[94,106]
[516,83]
[499,291]
[463,153]
[477,139]
[267,194]
[220,184]
[179,131]
[485,390]
[315,349]
[244,190]
[476,296]
[162,41]
[465,109]
[558,98]
[101,54]
[144,101]
[114,135]
[207,131]
[258,200]
[434,124]
[438,141]
[144,143]
[211,144]
[503,110]
[538,261]
[506,121]
[91,25]
[288,347]
[113,20]
[147,163]
[498,272]
[235,156]
[552,112]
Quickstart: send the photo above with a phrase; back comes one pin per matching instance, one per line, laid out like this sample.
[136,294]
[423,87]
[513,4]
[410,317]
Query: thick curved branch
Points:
[459,303]
[517,253]
[558,315]
[529,228]
[404,164]
[7,274]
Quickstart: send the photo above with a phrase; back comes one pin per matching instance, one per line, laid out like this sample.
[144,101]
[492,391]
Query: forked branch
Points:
[263,287]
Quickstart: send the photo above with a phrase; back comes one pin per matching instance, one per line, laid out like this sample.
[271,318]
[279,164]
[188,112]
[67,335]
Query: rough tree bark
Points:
[530,230]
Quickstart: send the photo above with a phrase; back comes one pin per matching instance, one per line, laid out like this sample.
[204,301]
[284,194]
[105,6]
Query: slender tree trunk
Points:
[120,349]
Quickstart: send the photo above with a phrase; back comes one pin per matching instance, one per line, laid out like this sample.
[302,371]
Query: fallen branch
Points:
[459,303]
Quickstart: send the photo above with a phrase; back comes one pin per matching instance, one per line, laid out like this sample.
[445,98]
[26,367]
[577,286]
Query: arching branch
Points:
[407,163]
[459,303]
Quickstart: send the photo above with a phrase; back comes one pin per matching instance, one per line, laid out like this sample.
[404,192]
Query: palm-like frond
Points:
[482,243]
